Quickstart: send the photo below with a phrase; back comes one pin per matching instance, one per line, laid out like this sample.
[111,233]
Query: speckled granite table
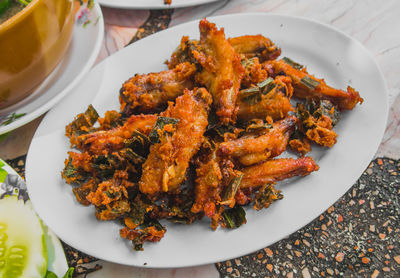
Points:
[359,235]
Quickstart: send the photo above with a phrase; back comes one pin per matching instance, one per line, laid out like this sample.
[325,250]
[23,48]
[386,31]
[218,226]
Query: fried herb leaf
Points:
[159,126]
[292,63]
[256,125]
[73,175]
[82,122]
[234,217]
[252,95]
[266,196]
[309,82]
[230,191]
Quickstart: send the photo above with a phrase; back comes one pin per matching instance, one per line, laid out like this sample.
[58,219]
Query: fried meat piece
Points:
[307,86]
[107,141]
[251,149]
[221,71]
[255,46]
[274,103]
[148,93]
[207,184]
[276,170]
[165,167]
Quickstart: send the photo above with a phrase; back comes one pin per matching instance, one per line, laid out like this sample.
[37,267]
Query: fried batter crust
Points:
[208,185]
[165,167]
[276,170]
[251,149]
[221,71]
[345,100]
[106,141]
[150,92]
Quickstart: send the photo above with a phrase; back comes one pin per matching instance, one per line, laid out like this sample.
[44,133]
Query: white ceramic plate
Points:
[81,54]
[152,4]
[15,185]
[327,53]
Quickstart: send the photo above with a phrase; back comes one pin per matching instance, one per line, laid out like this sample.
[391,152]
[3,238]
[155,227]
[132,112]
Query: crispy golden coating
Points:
[276,170]
[221,71]
[274,104]
[253,148]
[184,53]
[301,146]
[165,167]
[208,184]
[255,46]
[150,92]
[106,141]
[254,72]
[321,132]
[345,100]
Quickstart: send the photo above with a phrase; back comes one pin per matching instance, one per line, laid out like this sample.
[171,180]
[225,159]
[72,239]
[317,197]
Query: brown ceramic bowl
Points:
[32,43]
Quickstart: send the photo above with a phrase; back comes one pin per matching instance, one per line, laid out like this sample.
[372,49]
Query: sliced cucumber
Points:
[22,241]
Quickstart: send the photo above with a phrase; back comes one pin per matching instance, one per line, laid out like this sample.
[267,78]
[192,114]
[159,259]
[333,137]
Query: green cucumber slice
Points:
[22,241]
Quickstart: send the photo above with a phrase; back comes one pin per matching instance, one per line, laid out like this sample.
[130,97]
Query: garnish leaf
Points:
[234,217]
[292,63]
[159,125]
[309,82]
[14,116]
[230,191]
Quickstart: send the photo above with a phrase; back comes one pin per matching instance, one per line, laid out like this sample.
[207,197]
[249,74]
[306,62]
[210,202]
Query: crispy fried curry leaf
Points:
[83,122]
[139,142]
[256,125]
[292,63]
[73,175]
[309,82]
[323,108]
[266,196]
[317,108]
[230,191]
[159,126]
[234,217]
[146,232]
[252,95]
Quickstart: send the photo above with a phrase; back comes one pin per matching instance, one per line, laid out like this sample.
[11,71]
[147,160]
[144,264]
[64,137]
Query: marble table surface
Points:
[359,235]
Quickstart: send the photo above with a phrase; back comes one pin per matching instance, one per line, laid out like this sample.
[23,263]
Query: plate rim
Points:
[75,81]
[106,3]
[309,219]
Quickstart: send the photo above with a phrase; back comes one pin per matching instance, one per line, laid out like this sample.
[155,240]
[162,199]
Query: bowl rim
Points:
[17,18]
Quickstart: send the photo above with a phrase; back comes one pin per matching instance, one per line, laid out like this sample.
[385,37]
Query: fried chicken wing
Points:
[107,141]
[208,184]
[273,101]
[307,86]
[148,93]
[165,167]
[251,149]
[255,46]
[276,170]
[221,71]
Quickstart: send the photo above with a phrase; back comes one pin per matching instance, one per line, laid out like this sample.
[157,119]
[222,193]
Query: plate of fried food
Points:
[152,4]
[208,141]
